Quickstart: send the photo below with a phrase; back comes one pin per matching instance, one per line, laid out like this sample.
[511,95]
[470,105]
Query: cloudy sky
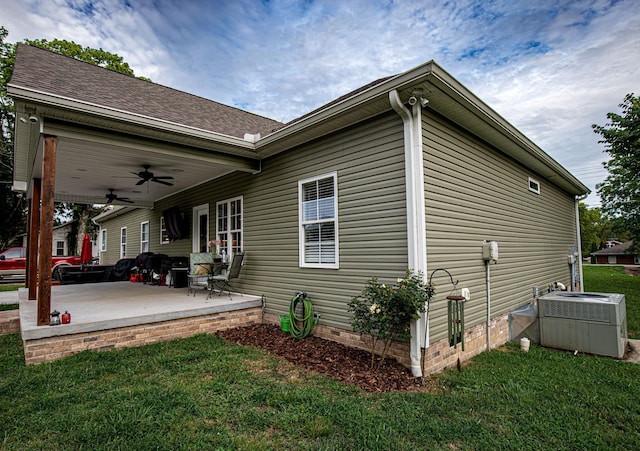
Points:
[551,68]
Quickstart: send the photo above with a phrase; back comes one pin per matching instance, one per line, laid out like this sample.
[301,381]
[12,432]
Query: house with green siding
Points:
[412,171]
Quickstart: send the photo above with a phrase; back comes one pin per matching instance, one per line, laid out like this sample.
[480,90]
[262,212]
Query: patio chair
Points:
[199,269]
[222,281]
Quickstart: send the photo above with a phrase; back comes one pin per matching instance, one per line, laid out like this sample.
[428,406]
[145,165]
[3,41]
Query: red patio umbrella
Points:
[86,254]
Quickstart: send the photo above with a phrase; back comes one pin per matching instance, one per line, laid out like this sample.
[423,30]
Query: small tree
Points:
[383,313]
[620,192]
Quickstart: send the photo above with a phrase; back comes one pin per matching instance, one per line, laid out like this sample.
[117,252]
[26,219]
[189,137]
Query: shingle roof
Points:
[52,73]
[620,249]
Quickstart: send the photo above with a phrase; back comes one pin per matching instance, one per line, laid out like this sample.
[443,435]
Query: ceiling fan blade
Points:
[124,199]
[166,177]
[161,181]
[141,181]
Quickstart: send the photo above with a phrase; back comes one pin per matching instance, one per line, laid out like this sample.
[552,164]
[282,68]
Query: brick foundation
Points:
[52,348]
[439,355]
[9,322]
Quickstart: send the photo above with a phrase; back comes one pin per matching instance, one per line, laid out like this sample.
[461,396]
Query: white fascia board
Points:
[436,76]
[382,89]
[527,147]
[31,95]
[115,212]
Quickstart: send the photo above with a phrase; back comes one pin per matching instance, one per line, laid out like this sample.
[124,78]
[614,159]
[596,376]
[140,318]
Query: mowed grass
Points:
[11,286]
[203,393]
[613,279]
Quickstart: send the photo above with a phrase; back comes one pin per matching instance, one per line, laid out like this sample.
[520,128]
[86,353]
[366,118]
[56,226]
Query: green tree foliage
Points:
[620,192]
[13,207]
[594,228]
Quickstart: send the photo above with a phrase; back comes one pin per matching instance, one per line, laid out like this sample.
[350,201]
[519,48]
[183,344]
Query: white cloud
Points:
[551,68]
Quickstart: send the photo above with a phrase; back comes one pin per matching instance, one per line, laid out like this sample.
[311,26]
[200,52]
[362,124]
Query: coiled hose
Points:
[301,326]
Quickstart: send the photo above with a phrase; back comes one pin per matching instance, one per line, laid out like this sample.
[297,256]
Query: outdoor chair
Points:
[200,264]
[221,281]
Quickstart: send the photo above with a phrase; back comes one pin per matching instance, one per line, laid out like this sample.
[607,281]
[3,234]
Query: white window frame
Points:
[534,185]
[144,242]
[123,242]
[60,248]
[103,240]
[226,234]
[164,236]
[302,223]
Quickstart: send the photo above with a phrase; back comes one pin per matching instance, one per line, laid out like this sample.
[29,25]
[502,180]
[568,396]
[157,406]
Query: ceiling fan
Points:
[146,176]
[111,196]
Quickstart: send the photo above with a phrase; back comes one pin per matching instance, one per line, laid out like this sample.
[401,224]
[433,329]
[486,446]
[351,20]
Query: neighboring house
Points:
[410,171]
[60,245]
[617,255]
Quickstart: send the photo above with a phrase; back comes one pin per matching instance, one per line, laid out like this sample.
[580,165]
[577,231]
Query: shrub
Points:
[383,313]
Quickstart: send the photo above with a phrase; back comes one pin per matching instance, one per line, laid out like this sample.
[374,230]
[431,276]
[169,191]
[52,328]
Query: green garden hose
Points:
[301,326]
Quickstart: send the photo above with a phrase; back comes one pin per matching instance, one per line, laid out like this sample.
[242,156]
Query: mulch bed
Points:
[332,359]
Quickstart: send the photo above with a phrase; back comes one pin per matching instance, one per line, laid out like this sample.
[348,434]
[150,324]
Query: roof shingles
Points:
[58,75]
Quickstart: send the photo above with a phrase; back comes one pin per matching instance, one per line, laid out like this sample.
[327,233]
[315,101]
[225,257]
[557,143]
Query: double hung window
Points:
[123,242]
[229,225]
[144,236]
[318,200]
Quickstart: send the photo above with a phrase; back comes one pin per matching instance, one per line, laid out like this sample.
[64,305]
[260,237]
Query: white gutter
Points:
[55,101]
[416,226]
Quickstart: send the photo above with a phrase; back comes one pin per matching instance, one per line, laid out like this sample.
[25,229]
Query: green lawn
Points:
[11,286]
[203,393]
[612,279]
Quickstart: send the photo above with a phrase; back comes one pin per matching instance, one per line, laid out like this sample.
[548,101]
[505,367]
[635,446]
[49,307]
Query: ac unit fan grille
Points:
[577,310]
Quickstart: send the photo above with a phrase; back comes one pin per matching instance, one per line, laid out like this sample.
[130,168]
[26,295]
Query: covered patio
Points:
[122,314]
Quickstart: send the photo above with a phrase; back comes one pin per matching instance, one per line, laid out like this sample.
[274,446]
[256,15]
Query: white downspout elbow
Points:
[416,228]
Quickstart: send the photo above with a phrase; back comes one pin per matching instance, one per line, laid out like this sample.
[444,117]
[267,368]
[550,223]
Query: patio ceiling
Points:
[90,161]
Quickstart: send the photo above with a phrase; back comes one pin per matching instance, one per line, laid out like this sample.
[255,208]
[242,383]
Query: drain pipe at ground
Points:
[579,240]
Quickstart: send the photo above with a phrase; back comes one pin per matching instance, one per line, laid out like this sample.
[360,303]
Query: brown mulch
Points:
[332,359]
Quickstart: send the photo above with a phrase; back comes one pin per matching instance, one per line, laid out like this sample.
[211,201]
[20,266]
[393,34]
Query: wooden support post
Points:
[31,276]
[46,229]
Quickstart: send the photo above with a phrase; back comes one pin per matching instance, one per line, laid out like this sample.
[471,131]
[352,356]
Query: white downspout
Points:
[488,270]
[579,239]
[416,227]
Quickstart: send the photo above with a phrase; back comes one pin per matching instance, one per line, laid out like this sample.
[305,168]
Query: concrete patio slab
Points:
[115,315]
[101,306]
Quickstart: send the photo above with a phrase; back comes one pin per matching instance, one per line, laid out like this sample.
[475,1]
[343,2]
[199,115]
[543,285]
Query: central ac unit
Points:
[594,323]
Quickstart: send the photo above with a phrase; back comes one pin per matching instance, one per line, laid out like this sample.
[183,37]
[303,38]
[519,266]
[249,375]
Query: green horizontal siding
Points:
[475,193]
[369,161]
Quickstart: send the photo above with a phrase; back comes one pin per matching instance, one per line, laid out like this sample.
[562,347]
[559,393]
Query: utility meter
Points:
[490,251]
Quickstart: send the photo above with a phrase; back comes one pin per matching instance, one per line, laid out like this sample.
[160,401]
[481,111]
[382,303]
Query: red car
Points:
[13,262]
